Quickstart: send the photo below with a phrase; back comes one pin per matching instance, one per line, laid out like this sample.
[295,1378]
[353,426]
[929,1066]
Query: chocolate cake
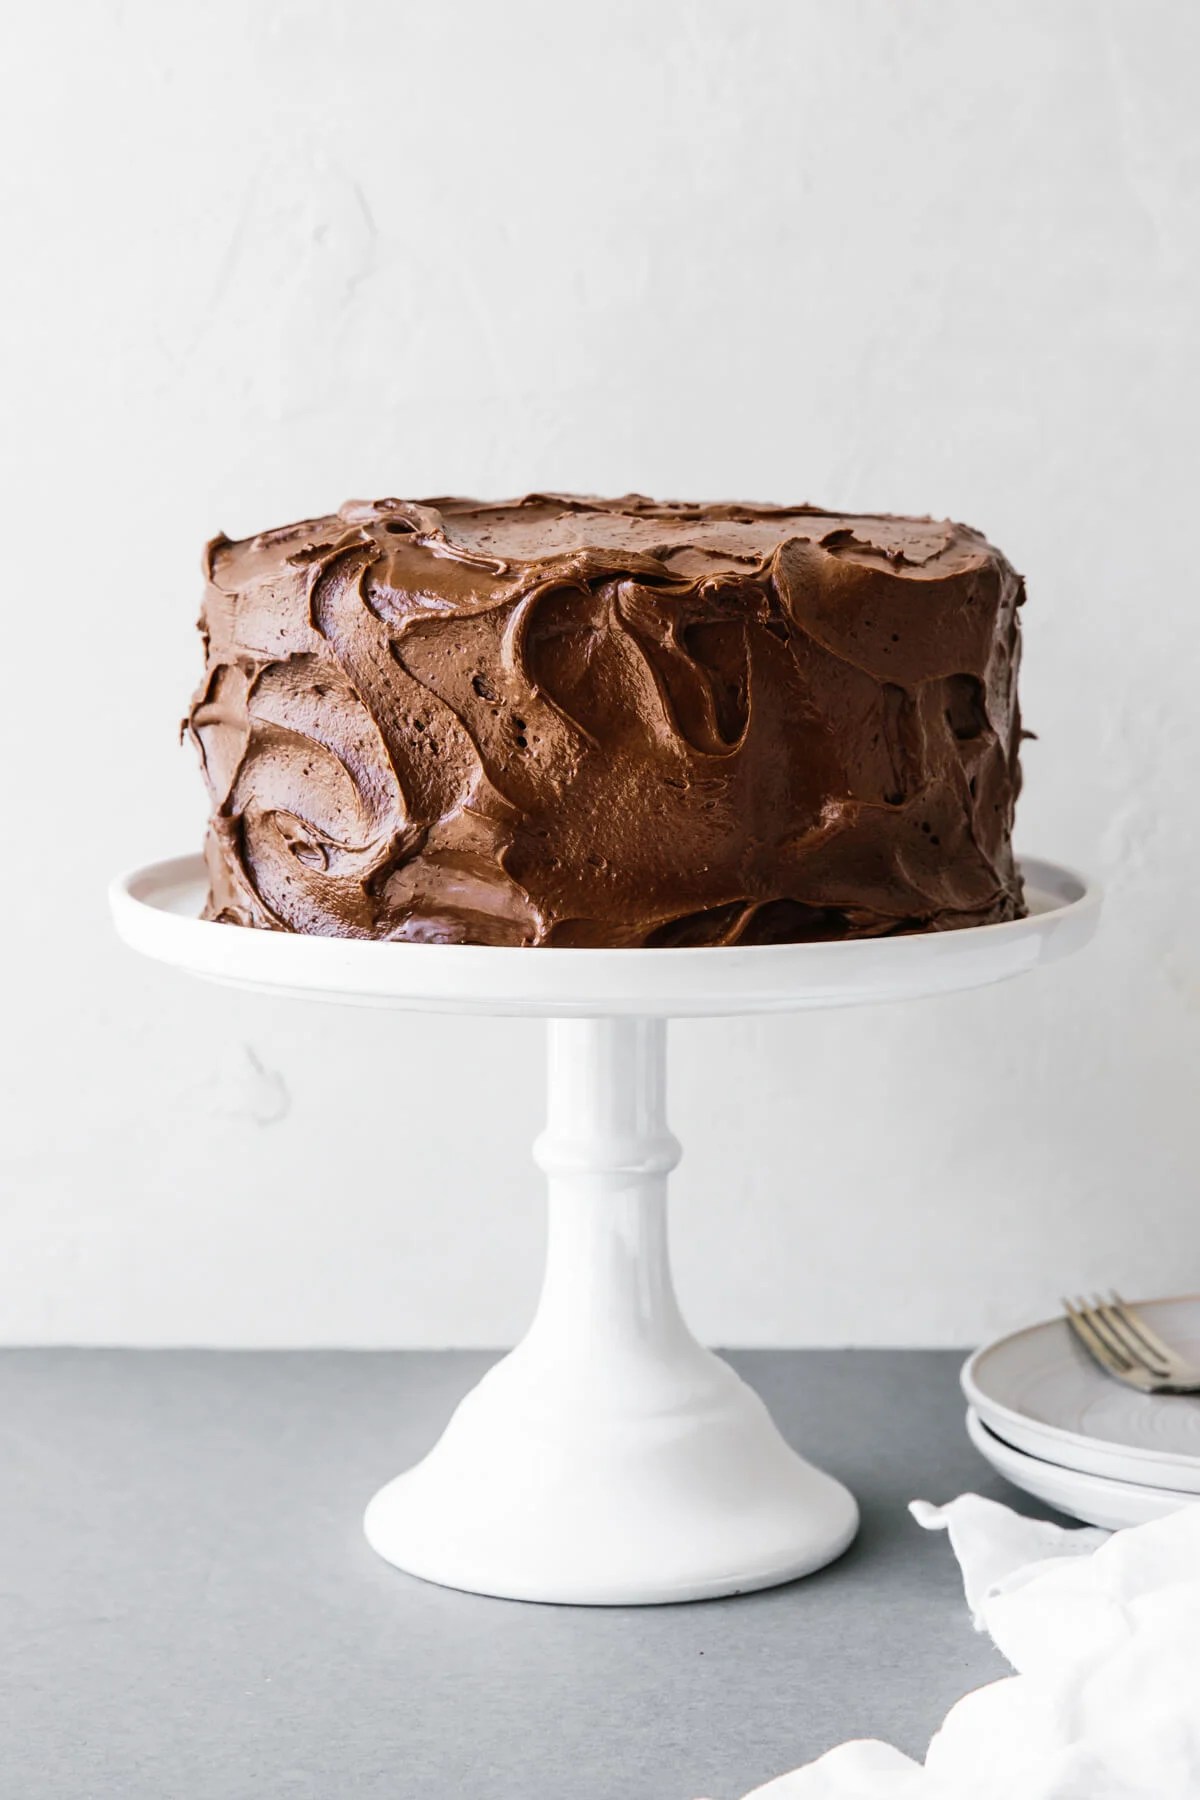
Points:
[573,721]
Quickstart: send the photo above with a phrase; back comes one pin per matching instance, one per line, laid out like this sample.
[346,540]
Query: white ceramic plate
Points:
[1096,1499]
[1040,1393]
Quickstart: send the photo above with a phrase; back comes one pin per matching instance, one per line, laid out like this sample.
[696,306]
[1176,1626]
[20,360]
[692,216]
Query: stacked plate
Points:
[1053,1423]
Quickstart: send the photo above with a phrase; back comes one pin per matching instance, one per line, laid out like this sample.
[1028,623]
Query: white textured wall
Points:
[262,257]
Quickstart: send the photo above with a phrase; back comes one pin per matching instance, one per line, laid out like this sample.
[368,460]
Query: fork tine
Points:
[1131,1346]
[1092,1342]
[1131,1340]
[1094,1346]
[1134,1322]
[1099,1324]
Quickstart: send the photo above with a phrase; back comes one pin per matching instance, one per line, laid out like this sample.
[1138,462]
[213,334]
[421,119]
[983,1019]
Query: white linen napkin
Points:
[1104,1633]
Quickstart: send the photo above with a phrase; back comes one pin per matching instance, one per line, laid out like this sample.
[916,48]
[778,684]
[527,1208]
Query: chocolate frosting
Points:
[571,721]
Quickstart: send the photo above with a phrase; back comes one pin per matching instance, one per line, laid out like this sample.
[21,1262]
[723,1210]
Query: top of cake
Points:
[688,539]
[570,720]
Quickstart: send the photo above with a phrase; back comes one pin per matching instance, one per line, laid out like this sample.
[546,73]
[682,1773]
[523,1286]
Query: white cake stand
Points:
[609,1459]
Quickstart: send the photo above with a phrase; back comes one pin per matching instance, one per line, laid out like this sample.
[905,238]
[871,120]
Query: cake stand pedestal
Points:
[609,1459]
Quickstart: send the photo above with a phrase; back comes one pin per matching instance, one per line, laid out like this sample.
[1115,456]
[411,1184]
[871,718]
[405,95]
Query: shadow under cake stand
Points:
[609,1459]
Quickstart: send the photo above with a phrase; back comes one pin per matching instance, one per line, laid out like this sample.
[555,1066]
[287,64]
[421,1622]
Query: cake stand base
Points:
[610,1459]
[689,1504]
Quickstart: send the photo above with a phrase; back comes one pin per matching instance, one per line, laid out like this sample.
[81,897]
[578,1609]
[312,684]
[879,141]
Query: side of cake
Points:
[571,721]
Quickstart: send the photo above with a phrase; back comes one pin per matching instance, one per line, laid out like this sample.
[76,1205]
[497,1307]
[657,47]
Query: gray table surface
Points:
[189,1611]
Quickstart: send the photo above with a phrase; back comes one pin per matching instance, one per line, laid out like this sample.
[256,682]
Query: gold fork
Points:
[1119,1339]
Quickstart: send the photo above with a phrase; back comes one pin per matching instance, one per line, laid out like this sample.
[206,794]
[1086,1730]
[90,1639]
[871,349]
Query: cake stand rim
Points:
[676,981]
